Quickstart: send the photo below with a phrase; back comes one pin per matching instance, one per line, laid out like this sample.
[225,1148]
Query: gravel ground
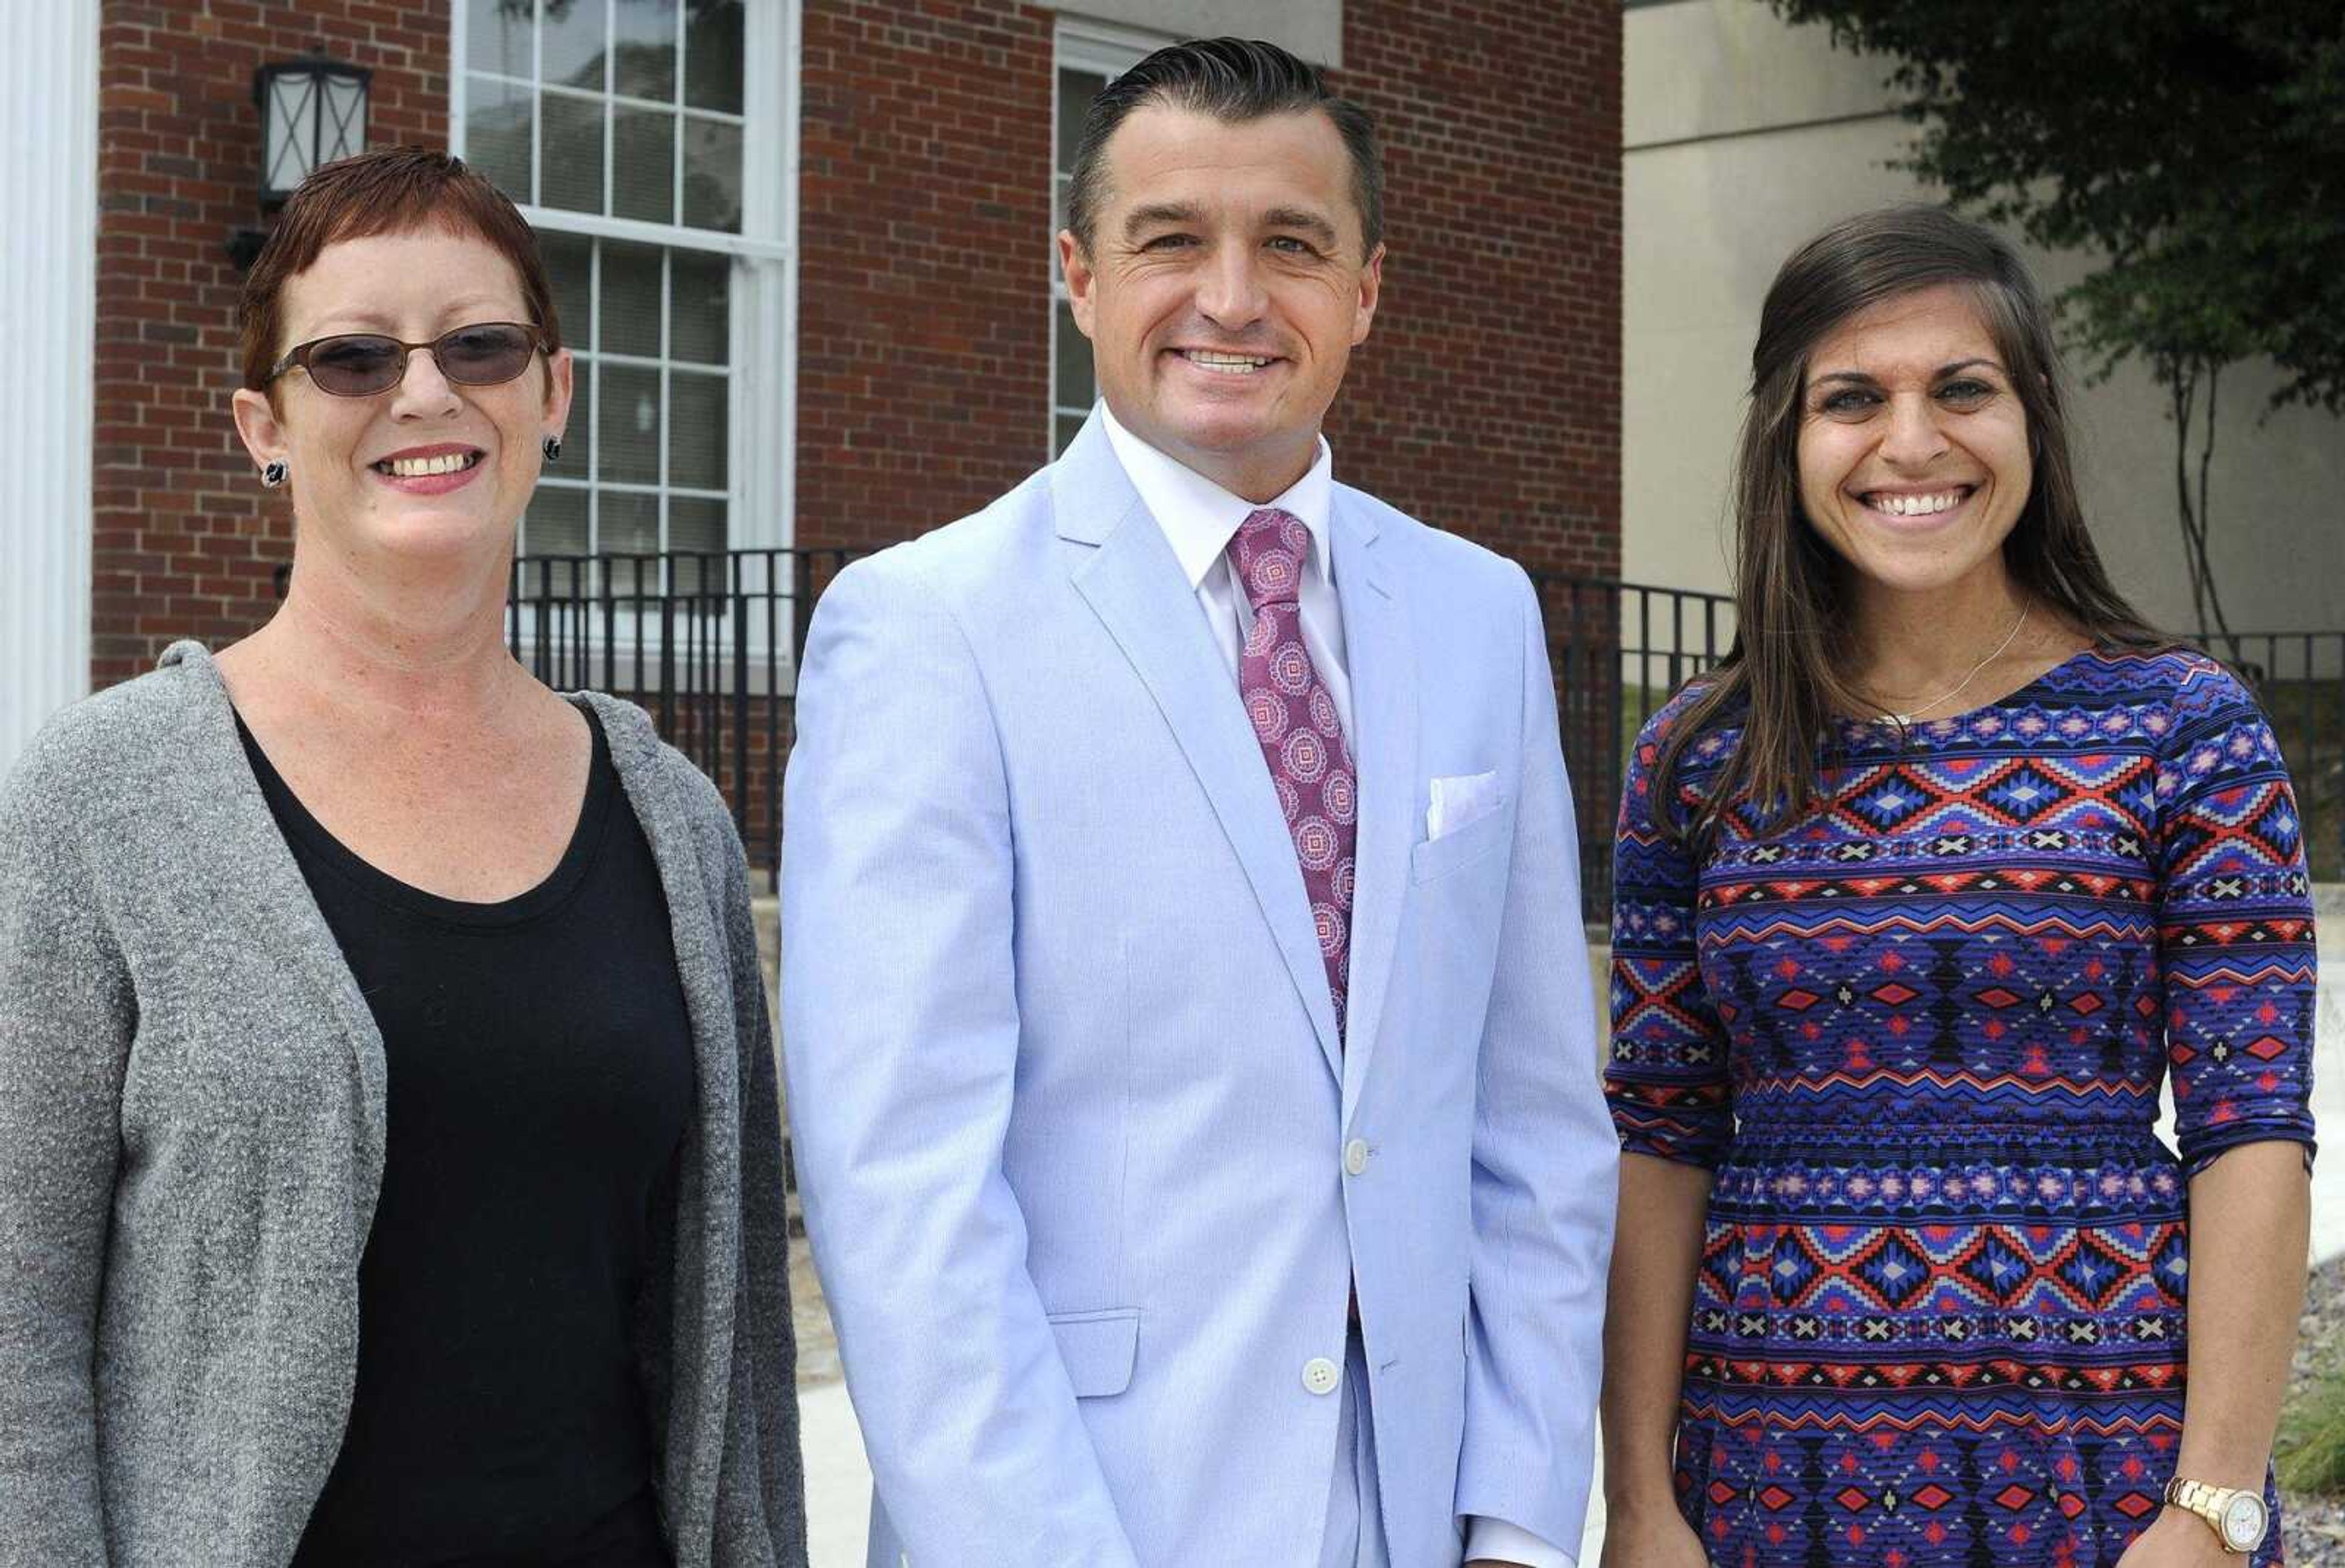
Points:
[2313,1528]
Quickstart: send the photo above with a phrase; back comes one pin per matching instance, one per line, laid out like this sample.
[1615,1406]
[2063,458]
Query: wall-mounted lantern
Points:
[313,110]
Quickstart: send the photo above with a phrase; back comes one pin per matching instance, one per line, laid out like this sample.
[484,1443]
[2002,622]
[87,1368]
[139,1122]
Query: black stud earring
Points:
[273,473]
[551,447]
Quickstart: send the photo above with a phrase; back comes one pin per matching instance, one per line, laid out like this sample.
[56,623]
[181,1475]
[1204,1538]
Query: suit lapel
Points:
[1383,667]
[1135,583]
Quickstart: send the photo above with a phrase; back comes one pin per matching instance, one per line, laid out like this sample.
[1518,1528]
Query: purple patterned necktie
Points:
[1301,739]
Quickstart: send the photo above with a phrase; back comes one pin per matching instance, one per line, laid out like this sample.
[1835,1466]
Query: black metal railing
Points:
[709,644]
[1619,649]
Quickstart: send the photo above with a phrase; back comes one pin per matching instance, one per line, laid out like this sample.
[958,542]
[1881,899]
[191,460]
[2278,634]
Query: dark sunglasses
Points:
[360,364]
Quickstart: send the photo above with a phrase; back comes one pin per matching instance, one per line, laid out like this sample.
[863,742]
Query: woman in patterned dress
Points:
[1919,898]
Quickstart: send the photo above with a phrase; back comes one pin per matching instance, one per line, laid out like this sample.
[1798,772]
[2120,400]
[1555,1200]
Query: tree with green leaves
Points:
[2198,147]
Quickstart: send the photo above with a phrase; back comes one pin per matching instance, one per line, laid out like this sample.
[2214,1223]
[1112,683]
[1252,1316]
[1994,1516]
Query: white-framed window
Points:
[652,146]
[1089,57]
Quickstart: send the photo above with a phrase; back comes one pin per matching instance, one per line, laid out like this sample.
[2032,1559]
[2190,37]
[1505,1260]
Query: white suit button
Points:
[1320,1376]
[1356,1156]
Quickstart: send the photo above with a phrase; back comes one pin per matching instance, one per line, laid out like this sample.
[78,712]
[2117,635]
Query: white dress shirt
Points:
[1199,519]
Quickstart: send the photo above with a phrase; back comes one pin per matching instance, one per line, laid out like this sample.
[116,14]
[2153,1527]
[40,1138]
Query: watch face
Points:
[2243,1521]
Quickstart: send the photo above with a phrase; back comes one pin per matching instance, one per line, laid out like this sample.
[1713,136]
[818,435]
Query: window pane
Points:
[695,522]
[630,425]
[1070,381]
[555,524]
[696,431]
[643,63]
[712,175]
[629,525]
[700,307]
[642,164]
[1076,91]
[1062,433]
[631,298]
[496,134]
[573,42]
[496,36]
[571,169]
[712,45]
[569,267]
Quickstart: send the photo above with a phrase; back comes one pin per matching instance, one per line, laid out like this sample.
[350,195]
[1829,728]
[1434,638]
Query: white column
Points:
[48,307]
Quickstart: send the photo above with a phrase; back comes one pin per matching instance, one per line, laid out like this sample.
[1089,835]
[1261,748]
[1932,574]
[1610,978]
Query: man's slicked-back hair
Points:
[1233,80]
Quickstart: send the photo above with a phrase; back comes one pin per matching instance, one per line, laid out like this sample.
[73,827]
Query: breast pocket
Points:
[1456,895]
[1477,841]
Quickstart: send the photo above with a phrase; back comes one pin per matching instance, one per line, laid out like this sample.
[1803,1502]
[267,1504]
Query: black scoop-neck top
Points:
[538,1082]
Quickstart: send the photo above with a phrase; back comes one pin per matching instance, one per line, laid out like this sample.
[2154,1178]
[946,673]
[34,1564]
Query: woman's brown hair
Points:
[1783,676]
[391,190]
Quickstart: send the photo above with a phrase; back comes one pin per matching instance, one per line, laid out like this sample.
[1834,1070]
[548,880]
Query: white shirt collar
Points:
[1200,518]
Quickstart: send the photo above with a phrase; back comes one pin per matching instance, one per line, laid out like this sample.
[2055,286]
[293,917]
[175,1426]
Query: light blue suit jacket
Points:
[1069,1109]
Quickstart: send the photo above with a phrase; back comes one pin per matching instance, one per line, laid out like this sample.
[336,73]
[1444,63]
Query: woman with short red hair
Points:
[389,1161]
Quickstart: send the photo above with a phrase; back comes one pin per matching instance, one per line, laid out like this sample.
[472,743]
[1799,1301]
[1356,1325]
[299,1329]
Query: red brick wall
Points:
[1487,400]
[923,281]
[184,536]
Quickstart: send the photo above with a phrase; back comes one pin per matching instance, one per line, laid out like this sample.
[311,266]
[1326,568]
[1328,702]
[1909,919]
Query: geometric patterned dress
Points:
[1919,1037]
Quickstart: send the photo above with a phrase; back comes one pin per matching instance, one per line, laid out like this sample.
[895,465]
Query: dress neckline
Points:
[1952,725]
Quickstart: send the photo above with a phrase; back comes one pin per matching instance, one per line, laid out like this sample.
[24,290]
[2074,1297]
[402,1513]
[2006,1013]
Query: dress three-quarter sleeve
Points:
[1667,1083]
[2234,924]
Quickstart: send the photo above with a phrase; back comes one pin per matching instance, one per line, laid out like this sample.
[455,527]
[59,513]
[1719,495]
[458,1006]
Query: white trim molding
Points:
[48,320]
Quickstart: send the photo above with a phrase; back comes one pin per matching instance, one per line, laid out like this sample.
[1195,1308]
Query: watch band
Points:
[2210,1503]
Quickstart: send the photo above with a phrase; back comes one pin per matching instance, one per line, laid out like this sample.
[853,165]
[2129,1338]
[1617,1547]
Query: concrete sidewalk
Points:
[838,1478]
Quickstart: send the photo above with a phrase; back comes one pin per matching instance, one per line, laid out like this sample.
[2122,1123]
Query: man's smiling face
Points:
[1224,287]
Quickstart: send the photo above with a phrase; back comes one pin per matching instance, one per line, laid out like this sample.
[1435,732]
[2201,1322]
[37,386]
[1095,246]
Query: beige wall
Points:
[1743,136]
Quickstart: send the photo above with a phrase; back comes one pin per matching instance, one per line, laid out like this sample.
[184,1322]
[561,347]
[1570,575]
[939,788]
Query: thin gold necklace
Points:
[1904,721]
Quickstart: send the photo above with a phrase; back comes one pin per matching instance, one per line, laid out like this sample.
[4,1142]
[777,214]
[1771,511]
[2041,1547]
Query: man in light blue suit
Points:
[1191,1061]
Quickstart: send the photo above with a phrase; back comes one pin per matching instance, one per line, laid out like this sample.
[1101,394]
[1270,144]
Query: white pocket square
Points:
[1458,801]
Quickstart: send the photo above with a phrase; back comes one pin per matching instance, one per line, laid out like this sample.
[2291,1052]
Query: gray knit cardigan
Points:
[191,1137]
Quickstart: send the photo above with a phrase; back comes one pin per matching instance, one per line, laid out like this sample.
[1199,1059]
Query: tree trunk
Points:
[2182,374]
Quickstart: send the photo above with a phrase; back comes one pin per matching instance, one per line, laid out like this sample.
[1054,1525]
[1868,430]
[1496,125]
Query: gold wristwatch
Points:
[2237,1516]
